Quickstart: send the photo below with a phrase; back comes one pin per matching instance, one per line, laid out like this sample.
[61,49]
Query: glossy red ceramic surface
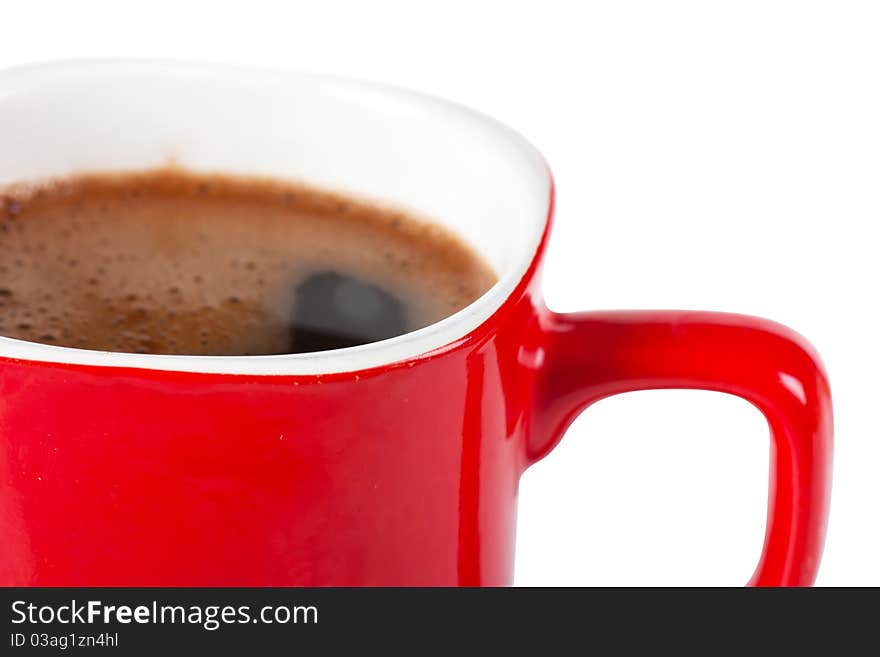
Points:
[590,356]
[401,475]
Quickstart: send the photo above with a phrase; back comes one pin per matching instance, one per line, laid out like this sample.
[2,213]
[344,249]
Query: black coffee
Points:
[170,262]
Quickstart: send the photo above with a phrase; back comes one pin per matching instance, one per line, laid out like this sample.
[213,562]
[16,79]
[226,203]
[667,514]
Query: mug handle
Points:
[593,355]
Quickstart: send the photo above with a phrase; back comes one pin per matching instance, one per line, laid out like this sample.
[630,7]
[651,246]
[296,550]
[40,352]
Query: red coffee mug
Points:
[394,463]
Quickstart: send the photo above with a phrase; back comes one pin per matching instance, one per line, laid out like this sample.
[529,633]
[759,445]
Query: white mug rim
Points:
[407,347]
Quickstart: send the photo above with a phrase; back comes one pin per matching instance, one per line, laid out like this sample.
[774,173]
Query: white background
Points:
[708,155]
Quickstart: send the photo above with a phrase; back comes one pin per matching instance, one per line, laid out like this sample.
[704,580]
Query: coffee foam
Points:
[175,262]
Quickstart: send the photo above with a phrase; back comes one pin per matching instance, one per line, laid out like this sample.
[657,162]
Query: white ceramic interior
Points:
[452,165]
